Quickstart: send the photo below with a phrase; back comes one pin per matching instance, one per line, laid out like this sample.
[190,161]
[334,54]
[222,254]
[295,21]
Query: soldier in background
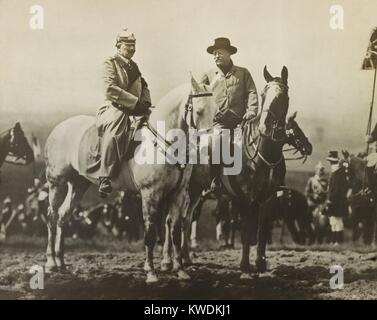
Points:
[316,188]
[339,191]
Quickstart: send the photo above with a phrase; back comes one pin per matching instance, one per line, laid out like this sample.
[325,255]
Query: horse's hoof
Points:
[261,264]
[151,278]
[51,268]
[63,268]
[187,260]
[166,266]
[183,275]
[246,276]
[194,244]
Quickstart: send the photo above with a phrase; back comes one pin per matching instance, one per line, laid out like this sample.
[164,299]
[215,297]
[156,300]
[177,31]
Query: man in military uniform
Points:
[126,94]
[339,190]
[234,92]
[316,188]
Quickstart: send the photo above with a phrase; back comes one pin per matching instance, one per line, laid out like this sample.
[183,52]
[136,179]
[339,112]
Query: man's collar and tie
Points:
[226,71]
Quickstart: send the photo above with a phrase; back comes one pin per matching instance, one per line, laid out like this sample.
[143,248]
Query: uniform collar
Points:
[124,61]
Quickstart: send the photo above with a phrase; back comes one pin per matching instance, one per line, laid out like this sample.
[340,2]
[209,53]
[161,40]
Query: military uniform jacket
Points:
[316,190]
[338,188]
[123,87]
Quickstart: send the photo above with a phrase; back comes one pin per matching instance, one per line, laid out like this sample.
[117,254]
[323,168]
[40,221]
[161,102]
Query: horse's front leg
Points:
[150,202]
[52,218]
[245,240]
[167,262]
[76,189]
[264,226]
[57,194]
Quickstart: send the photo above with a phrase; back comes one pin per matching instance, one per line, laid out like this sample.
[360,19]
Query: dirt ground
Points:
[109,269]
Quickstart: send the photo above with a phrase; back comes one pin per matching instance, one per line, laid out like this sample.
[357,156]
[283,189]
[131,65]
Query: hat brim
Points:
[231,49]
[332,159]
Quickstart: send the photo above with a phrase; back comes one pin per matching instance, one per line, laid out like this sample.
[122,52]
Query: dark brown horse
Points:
[362,203]
[14,147]
[263,171]
[264,165]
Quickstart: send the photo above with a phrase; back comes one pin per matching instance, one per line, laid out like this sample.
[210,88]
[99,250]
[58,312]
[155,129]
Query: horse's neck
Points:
[271,150]
[170,109]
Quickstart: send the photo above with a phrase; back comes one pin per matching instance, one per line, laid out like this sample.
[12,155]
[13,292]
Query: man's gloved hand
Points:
[249,115]
[218,116]
[142,108]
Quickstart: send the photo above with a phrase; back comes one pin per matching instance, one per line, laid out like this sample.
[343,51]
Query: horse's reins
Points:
[191,125]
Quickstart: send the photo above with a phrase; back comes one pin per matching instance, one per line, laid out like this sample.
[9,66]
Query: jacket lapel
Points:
[121,72]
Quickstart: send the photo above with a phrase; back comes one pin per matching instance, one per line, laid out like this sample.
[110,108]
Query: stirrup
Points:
[215,185]
[105,186]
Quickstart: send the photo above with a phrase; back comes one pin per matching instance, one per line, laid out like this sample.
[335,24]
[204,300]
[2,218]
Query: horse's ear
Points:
[345,153]
[195,88]
[284,75]
[267,75]
[17,128]
[293,116]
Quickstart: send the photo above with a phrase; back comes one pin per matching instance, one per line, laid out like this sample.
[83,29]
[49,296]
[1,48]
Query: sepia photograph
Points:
[207,151]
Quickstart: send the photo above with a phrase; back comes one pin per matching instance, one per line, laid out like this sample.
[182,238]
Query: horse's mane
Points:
[170,103]
[357,166]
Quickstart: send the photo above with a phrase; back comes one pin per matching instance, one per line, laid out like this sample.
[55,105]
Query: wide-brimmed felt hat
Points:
[222,43]
[333,156]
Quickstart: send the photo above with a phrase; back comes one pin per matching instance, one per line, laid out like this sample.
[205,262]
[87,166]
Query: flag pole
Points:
[369,126]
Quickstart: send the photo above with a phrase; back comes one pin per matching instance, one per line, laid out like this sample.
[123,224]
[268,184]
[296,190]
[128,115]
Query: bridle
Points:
[275,120]
[188,118]
[291,134]
[189,108]
[255,143]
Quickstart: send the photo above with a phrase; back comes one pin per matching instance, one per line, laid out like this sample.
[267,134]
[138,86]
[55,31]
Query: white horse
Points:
[163,187]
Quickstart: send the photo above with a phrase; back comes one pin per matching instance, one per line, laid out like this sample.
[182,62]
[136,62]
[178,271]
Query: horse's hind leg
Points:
[77,186]
[57,194]
[195,204]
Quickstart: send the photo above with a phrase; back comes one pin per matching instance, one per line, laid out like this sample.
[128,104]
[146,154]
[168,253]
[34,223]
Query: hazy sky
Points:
[59,68]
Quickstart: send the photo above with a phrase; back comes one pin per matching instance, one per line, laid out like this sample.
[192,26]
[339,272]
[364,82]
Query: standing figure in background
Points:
[339,191]
[316,188]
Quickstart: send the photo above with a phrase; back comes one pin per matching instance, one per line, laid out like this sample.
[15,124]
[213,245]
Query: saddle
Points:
[249,137]
[90,149]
